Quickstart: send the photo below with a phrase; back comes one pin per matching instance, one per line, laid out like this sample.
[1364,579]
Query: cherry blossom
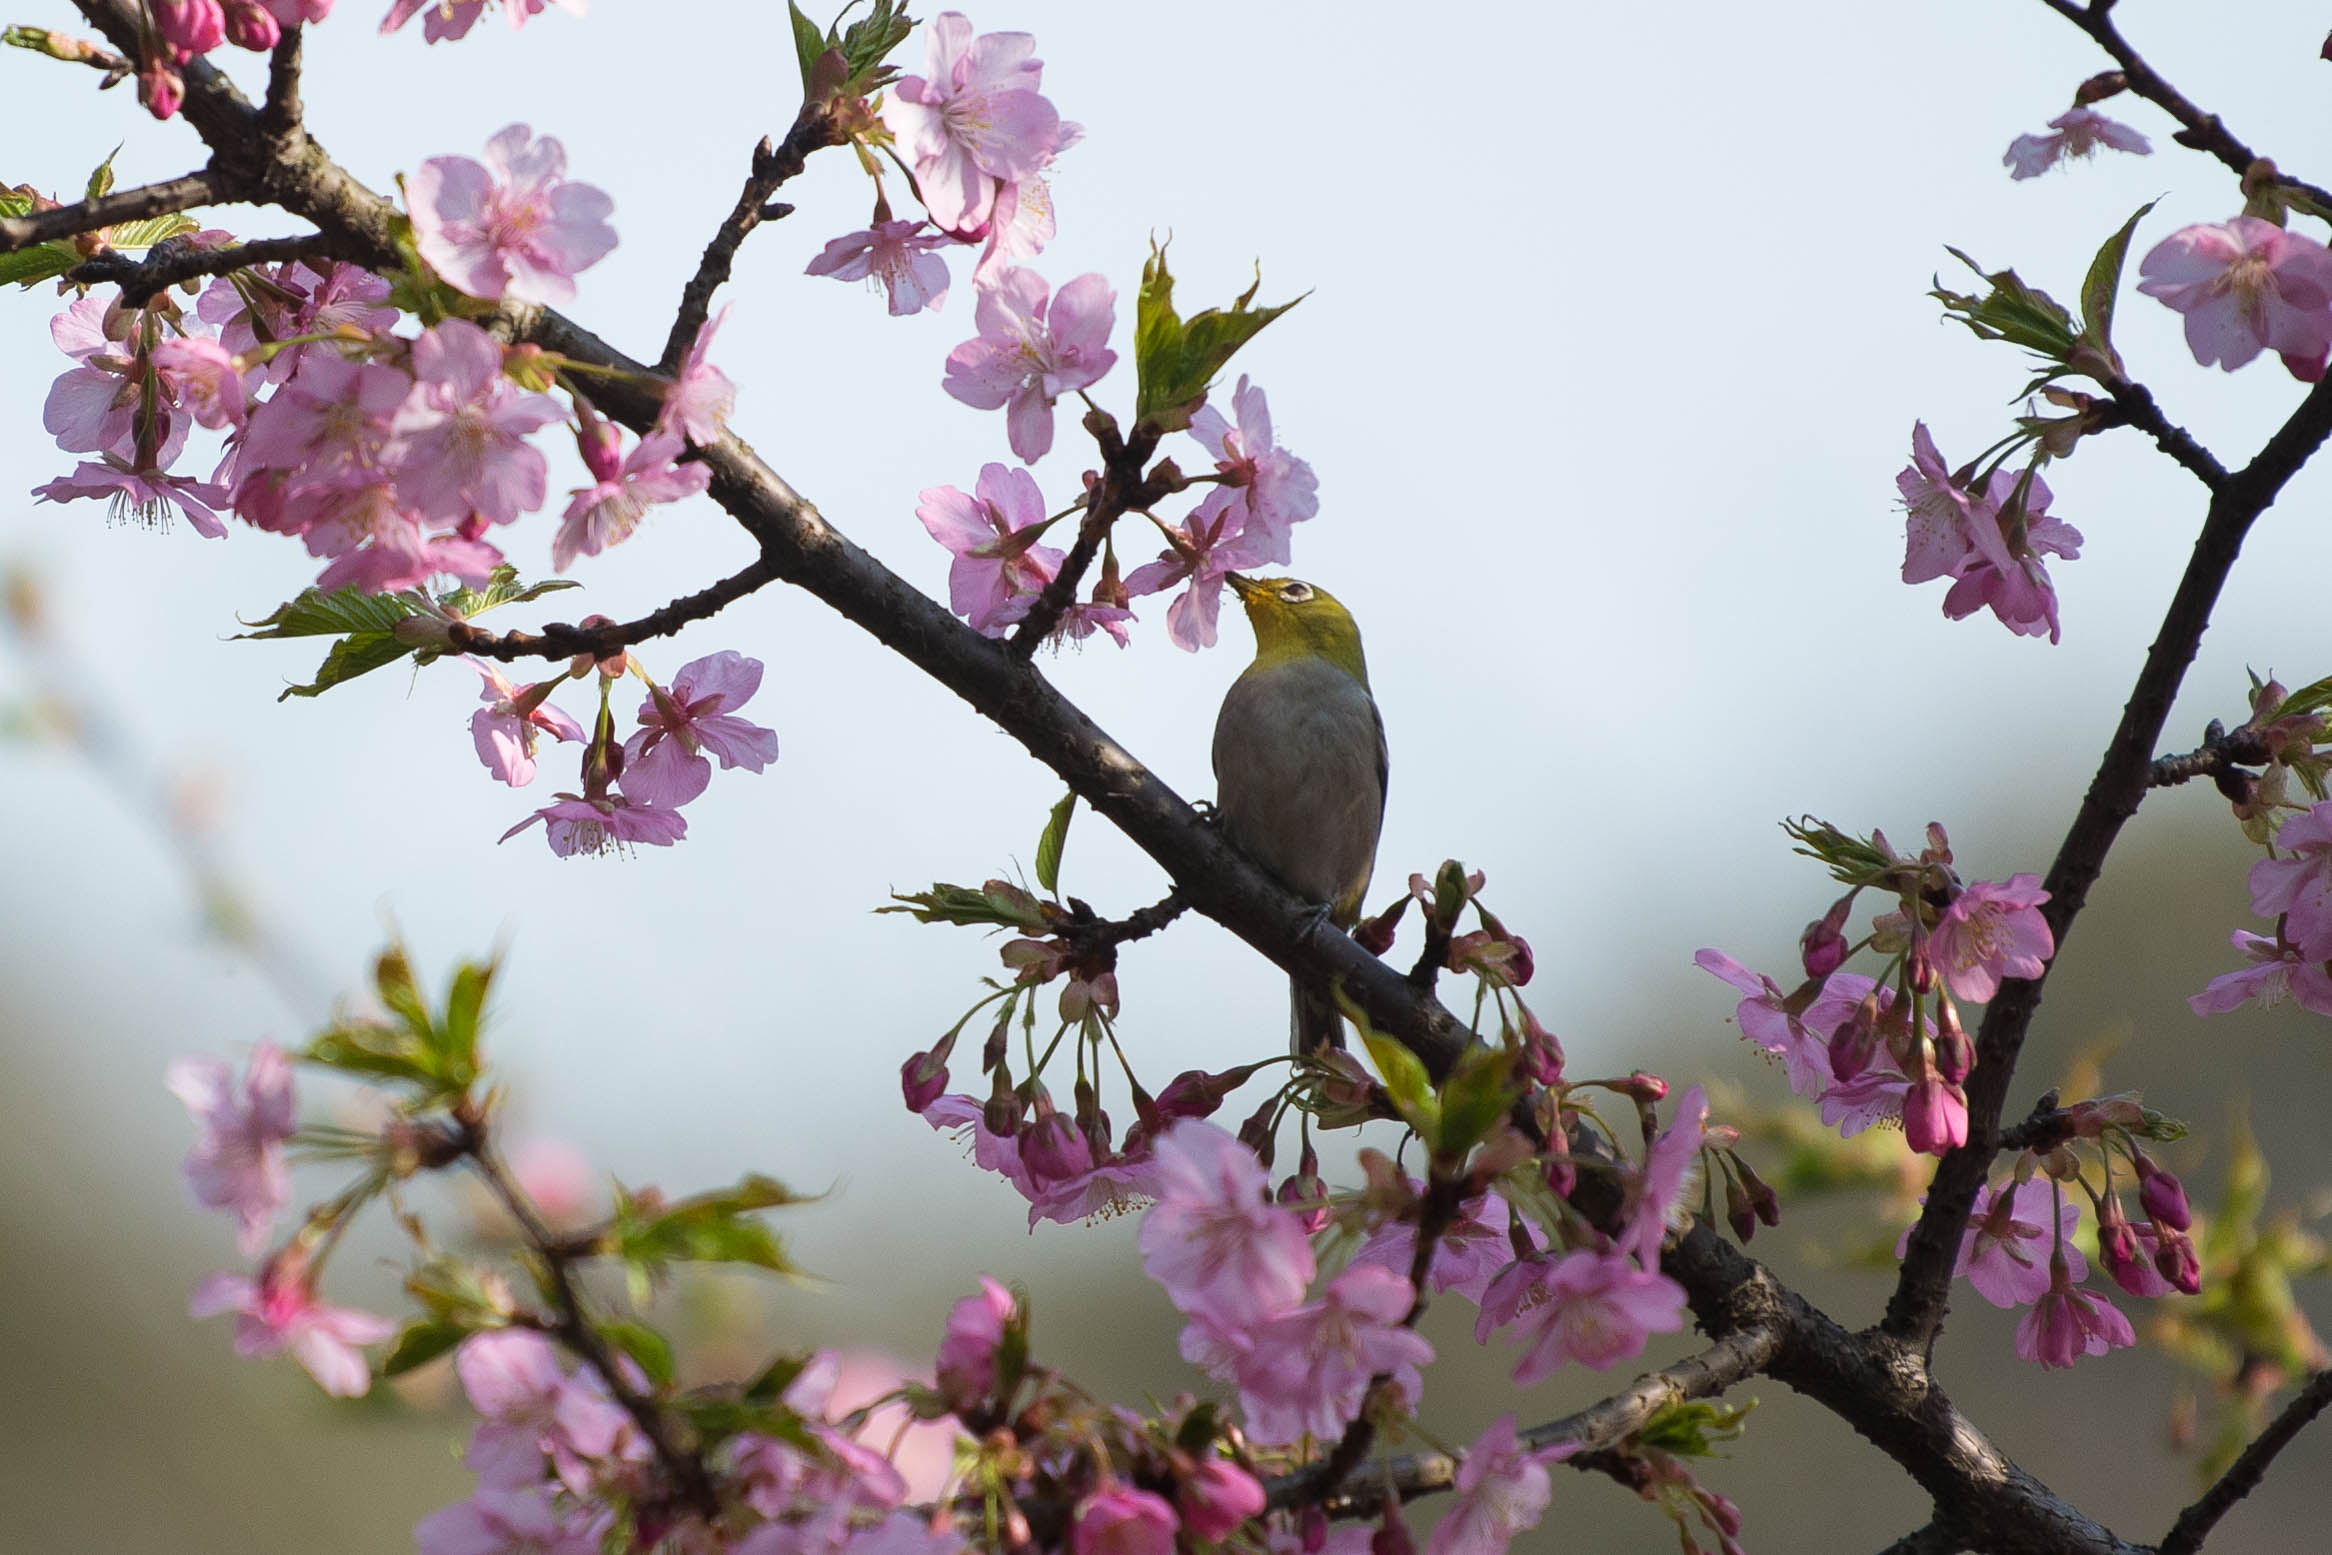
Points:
[1271,489]
[2277,971]
[606,513]
[279,1311]
[1215,1240]
[1116,1520]
[504,729]
[512,1521]
[2068,1322]
[1210,545]
[142,497]
[1502,1489]
[462,435]
[966,1368]
[238,1162]
[1032,348]
[1470,1254]
[1585,1306]
[2245,286]
[1952,532]
[974,121]
[2010,1237]
[999,569]
[578,825]
[255,307]
[1671,1165]
[2079,133]
[513,225]
[2298,889]
[665,761]
[1216,1497]
[700,396]
[1799,1036]
[897,255]
[1305,1372]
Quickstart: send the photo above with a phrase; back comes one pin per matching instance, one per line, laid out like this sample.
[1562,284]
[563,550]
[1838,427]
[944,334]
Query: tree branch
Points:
[2244,1474]
[2200,131]
[1916,1309]
[204,187]
[559,640]
[2136,403]
[812,130]
[174,261]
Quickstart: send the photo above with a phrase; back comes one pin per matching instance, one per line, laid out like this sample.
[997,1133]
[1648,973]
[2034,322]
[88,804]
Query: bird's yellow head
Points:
[1294,620]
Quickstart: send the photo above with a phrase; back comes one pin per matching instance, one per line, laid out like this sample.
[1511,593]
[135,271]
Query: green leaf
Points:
[465,1003]
[41,262]
[456,1292]
[1176,359]
[1478,1092]
[374,1048]
[2012,311]
[101,176]
[644,1345]
[2102,284]
[1405,1082]
[1692,1428]
[502,588]
[400,993]
[809,43]
[365,623]
[867,42]
[150,230]
[998,902]
[1048,845]
[705,1228]
[422,1342]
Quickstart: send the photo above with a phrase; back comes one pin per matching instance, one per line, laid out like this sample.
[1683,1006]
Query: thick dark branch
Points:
[2221,757]
[772,165]
[2136,403]
[2199,131]
[1934,1539]
[2123,775]
[2244,1474]
[175,261]
[559,640]
[280,115]
[207,187]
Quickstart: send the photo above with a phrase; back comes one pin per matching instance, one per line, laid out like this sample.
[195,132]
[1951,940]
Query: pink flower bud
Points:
[1955,1054]
[601,444]
[1052,1148]
[1542,1052]
[1856,1038]
[1935,1116]
[1375,935]
[1823,946]
[966,1368]
[922,1080]
[1257,1133]
[2175,1260]
[160,88]
[2163,1195]
[249,26]
[192,26]
[1216,1497]
[1119,1521]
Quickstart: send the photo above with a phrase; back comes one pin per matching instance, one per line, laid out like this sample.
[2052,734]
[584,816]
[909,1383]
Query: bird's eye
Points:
[1295,593]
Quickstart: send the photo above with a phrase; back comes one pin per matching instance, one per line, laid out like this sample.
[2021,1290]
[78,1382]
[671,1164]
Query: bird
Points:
[1300,765]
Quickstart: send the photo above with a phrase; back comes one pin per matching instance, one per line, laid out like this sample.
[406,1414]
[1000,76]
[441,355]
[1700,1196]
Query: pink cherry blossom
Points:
[2277,971]
[2298,889]
[605,513]
[1799,1036]
[210,382]
[1216,1498]
[378,546]
[1471,1252]
[1951,532]
[1585,1306]
[1991,931]
[1032,348]
[895,254]
[999,569]
[1117,1520]
[1305,1372]
[1112,1186]
[2068,1322]
[1208,547]
[1215,1240]
[701,396]
[1502,1489]
[976,120]
[238,1162]
[2245,286]
[279,1311]
[1271,489]
[142,497]
[2006,1248]
[330,422]
[1022,222]
[1671,1166]
[513,1380]
[512,226]
[611,825]
[505,733]
[262,305]
[512,1521]
[665,761]
[966,1368]
[2079,133]
[461,436]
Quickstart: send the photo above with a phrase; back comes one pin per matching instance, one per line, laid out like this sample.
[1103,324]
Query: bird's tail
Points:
[1313,1020]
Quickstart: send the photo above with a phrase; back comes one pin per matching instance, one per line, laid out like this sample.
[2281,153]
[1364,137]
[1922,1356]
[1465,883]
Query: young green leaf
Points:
[1049,844]
[422,1341]
[1176,359]
[2102,284]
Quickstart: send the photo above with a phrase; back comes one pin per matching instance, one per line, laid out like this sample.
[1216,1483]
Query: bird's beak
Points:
[1241,585]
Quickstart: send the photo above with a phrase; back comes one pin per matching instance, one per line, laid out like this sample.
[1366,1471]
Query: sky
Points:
[1614,329]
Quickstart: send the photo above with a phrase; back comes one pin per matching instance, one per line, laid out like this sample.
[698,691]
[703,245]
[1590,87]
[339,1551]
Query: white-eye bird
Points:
[1300,764]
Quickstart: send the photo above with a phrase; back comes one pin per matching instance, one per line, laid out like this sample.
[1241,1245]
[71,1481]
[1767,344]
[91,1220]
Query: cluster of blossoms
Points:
[2019,1251]
[1989,539]
[239,1165]
[2293,886]
[1893,1048]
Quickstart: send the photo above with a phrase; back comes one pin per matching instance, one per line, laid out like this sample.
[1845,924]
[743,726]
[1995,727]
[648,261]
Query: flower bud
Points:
[1258,1133]
[966,1367]
[1375,935]
[250,26]
[160,87]
[2175,1260]
[1542,1052]
[1822,948]
[2163,1196]
[923,1077]
[1955,1054]
[1856,1038]
[1000,1114]
[1935,1116]
[1052,1147]
[1216,1497]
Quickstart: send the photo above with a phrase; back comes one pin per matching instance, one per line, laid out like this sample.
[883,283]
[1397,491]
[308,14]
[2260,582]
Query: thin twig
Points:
[2244,1474]
[2136,403]
[559,640]
[205,187]
[2201,131]
[174,261]
[812,130]
[1123,487]
[681,1465]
